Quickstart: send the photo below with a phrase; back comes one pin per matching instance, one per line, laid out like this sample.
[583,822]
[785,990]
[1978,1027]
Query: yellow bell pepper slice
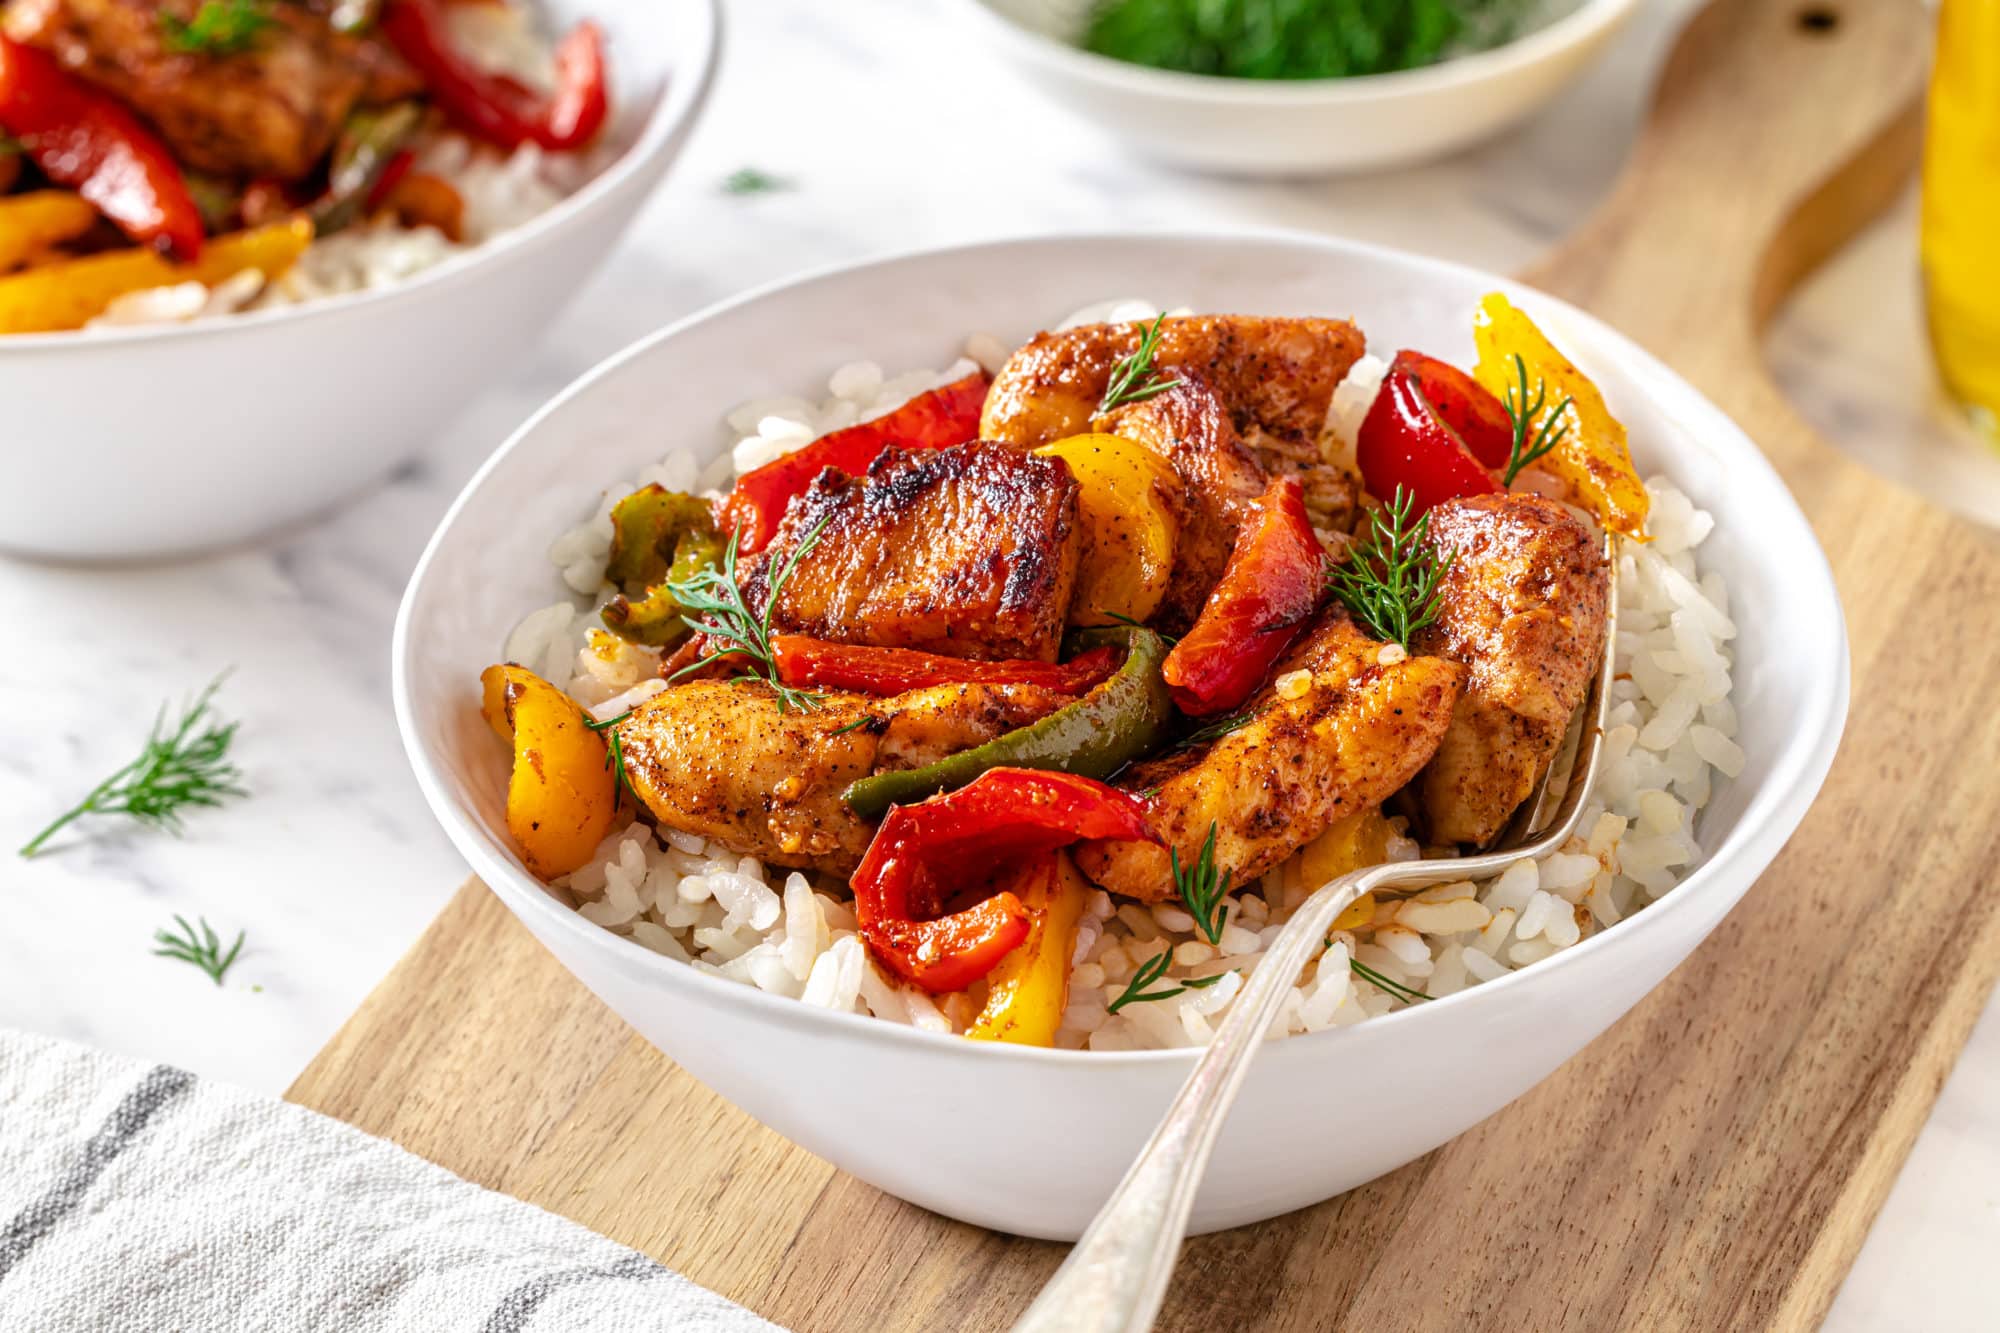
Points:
[31,223]
[1356,840]
[69,294]
[1593,456]
[1029,989]
[563,793]
[1128,499]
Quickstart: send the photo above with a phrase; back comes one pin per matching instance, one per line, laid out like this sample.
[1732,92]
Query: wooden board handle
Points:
[1778,129]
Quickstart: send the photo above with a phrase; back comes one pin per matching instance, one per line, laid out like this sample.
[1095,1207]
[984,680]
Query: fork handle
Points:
[1117,1273]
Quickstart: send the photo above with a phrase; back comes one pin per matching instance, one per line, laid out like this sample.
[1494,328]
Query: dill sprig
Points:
[614,753]
[718,597]
[1390,580]
[1216,729]
[1150,972]
[1531,442]
[749,180]
[1134,379]
[1169,639]
[179,769]
[1202,889]
[218,28]
[1407,994]
[202,947]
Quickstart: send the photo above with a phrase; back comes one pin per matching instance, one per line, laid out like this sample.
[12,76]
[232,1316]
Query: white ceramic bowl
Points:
[907,1110]
[1287,128]
[158,440]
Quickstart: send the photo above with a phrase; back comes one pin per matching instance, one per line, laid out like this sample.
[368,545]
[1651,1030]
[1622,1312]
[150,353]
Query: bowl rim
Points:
[689,76]
[1769,819]
[1590,20]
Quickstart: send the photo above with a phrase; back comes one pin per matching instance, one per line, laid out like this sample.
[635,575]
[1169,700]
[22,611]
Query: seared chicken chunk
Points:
[1341,740]
[1274,378]
[1220,483]
[1523,606]
[718,758]
[970,551]
[271,110]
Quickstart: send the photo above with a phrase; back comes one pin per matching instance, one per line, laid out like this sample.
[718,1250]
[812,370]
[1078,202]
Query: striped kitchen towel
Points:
[136,1198]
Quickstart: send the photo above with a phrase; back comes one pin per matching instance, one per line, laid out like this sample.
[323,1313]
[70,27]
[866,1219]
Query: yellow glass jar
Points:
[1961,208]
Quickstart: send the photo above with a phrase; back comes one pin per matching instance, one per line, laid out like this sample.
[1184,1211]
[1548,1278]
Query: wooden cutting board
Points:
[1712,1161]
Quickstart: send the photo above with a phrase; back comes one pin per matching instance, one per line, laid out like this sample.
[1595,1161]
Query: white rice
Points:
[500,192]
[1670,738]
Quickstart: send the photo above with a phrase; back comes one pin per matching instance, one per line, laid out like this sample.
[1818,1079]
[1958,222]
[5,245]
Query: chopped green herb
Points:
[749,180]
[218,28]
[1296,39]
[715,594]
[177,770]
[1530,442]
[202,947]
[1390,580]
[1201,889]
[856,724]
[1133,379]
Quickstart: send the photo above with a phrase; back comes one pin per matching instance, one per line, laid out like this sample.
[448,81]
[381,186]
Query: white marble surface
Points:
[892,135]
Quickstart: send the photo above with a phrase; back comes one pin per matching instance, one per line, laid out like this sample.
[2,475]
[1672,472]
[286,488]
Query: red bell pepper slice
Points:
[803,662]
[1466,405]
[582,101]
[925,856]
[1405,444]
[493,106]
[1270,588]
[933,420]
[392,176]
[85,139]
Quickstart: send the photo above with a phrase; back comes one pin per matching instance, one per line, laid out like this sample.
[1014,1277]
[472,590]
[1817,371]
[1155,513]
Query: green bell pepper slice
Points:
[658,537]
[1125,716]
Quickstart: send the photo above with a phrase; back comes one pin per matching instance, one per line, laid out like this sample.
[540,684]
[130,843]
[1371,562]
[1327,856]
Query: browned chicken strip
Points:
[1523,606]
[1273,377]
[271,110]
[1342,740]
[718,758]
[970,551]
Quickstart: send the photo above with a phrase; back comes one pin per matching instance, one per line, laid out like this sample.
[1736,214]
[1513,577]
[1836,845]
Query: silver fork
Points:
[1117,1273]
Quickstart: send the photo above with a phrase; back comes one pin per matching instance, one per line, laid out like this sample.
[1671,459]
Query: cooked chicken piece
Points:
[271,110]
[1274,378]
[1220,482]
[1523,606]
[718,758]
[1351,736]
[970,551]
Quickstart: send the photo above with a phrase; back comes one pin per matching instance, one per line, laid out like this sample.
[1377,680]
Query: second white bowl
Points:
[1261,127]
[158,440]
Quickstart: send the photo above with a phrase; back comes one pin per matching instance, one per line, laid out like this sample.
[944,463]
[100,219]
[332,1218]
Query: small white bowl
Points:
[1269,127]
[164,439]
[914,1112]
